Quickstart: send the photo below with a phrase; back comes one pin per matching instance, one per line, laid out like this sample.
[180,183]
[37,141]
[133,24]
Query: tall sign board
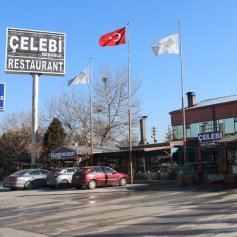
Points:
[35,52]
[2,96]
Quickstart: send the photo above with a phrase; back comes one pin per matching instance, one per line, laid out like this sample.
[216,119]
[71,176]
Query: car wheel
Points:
[91,184]
[28,185]
[64,184]
[122,182]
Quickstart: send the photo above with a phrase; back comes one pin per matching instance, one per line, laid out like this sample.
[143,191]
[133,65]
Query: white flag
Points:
[166,45]
[82,78]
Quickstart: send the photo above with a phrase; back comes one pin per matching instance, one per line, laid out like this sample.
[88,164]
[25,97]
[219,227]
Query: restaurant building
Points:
[211,133]
[146,158]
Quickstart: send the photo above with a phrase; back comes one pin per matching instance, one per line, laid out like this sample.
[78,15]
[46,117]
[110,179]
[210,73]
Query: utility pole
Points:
[154,134]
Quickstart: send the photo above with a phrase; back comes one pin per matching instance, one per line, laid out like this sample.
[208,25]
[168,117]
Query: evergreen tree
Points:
[168,135]
[54,136]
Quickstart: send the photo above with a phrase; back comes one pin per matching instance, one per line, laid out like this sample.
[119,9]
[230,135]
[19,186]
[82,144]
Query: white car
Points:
[61,177]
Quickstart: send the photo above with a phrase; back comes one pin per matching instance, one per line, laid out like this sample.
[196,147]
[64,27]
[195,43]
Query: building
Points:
[146,158]
[211,133]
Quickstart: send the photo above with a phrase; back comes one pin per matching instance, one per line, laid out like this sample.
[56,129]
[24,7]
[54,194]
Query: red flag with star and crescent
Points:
[113,38]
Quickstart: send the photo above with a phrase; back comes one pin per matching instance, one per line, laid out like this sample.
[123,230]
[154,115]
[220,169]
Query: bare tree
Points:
[15,136]
[111,104]
[110,110]
[72,110]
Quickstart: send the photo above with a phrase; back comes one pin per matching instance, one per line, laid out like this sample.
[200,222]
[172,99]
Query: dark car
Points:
[96,176]
[26,179]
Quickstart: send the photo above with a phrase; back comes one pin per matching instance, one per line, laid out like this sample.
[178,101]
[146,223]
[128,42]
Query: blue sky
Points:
[209,36]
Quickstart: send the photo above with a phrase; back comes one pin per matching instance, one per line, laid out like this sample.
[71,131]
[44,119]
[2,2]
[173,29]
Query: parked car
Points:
[61,177]
[26,179]
[95,176]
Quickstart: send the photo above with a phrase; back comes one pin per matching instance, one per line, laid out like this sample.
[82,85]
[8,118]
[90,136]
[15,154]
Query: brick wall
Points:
[195,115]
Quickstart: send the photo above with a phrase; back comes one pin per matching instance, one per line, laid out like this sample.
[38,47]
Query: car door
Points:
[99,176]
[36,178]
[110,176]
[44,174]
[70,172]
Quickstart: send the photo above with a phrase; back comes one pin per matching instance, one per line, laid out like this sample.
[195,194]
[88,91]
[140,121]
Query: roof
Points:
[228,139]
[219,100]
[25,158]
[214,101]
[72,151]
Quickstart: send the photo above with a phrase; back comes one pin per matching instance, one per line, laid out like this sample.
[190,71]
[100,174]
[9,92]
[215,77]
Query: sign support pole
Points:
[35,95]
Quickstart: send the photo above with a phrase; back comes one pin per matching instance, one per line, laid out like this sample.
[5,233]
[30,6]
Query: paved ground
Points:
[137,210]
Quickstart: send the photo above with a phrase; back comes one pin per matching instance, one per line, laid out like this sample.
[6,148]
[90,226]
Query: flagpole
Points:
[182,86]
[91,110]
[129,109]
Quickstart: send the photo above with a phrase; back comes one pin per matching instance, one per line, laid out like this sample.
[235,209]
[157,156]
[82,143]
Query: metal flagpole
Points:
[129,110]
[91,111]
[182,86]
[35,93]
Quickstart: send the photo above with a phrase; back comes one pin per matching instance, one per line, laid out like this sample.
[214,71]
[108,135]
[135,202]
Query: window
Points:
[235,124]
[108,170]
[194,129]
[35,172]
[229,125]
[207,126]
[232,156]
[70,171]
[44,172]
[98,170]
[188,130]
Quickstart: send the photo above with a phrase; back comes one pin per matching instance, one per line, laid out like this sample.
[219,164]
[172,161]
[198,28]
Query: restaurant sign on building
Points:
[63,153]
[39,52]
[209,139]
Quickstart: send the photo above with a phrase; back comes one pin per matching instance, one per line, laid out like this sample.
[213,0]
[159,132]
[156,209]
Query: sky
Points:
[209,49]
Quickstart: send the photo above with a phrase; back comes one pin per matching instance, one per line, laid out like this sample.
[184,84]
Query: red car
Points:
[96,176]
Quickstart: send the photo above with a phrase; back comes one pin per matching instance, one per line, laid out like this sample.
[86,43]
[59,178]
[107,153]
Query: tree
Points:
[72,110]
[168,135]
[110,110]
[15,137]
[54,136]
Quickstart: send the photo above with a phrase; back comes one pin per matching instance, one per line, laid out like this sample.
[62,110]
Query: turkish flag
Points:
[113,38]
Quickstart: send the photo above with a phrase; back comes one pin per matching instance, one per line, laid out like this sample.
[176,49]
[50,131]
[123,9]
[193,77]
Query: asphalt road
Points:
[135,210]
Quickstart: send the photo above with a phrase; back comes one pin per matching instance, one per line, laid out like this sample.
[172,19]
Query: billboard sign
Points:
[209,139]
[38,52]
[2,96]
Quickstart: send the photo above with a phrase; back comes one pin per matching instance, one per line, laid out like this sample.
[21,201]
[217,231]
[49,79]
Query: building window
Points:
[229,125]
[178,132]
[232,156]
[188,130]
[194,129]
[235,124]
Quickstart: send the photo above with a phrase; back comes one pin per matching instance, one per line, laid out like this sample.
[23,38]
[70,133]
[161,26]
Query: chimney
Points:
[143,130]
[191,99]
